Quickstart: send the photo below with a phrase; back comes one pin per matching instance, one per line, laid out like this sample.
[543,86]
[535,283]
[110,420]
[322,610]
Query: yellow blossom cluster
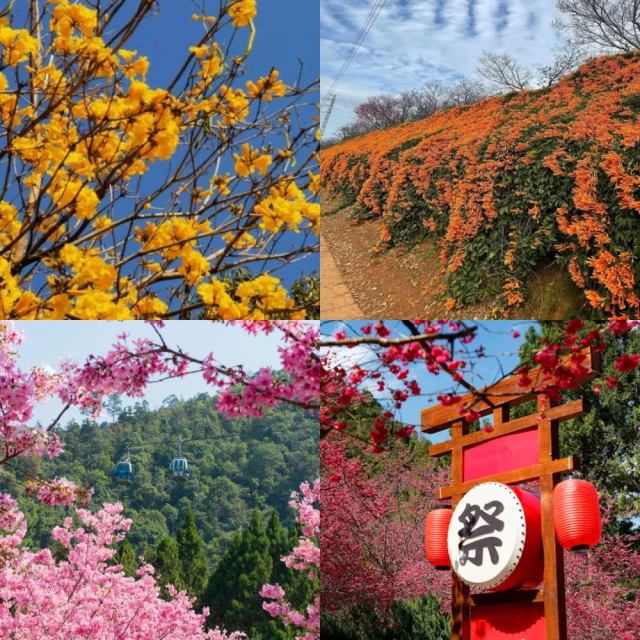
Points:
[9,289]
[17,44]
[242,12]
[133,68]
[211,64]
[69,17]
[194,267]
[172,238]
[10,224]
[256,299]
[239,241]
[286,205]
[267,87]
[88,267]
[250,161]
[233,106]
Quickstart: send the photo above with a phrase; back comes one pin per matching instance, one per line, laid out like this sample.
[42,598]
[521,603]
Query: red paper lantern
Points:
[436,530]
[576,514]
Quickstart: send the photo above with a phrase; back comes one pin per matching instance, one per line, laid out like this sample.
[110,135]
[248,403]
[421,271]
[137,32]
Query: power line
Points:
[330,97]
[366,27]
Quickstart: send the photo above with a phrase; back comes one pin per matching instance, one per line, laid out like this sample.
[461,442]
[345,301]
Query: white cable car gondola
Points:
[179,466]
[123,471]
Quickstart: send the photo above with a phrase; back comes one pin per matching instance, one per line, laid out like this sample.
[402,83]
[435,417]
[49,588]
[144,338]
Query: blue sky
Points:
[414,41]
[48,342]
[501,356]
[168,35]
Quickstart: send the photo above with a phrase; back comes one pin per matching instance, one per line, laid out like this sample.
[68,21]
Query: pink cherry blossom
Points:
[83,597]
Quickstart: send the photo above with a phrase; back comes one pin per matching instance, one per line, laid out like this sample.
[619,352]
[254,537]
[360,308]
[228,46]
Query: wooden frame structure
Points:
[497,400]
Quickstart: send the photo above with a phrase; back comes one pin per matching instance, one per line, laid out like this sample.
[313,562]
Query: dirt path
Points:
[407,283]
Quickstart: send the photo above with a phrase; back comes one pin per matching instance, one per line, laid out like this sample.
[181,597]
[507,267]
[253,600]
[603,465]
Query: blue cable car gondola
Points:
[123,472]
[179,466]
[180,469]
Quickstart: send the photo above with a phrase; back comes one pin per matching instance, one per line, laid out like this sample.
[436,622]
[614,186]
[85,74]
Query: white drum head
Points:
[486,535]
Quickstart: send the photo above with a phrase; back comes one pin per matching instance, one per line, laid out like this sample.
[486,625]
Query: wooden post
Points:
[554,590]
[459,590]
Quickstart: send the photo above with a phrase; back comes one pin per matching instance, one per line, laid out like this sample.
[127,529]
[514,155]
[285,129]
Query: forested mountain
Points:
[242,473]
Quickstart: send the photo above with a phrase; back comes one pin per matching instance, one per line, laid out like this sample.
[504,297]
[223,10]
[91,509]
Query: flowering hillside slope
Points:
[511,181]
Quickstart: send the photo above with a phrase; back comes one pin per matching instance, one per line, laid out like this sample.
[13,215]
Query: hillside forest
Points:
[227,526]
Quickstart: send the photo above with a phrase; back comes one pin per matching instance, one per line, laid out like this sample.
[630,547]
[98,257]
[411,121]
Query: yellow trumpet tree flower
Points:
[124,199]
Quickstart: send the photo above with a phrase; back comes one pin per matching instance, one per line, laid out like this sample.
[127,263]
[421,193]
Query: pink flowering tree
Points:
[83,597]
[602,585]
[390,354]
[373,512]
[304,557]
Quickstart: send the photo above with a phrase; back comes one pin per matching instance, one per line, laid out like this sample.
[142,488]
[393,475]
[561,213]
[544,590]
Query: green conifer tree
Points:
[127,558]
[193,559]
[279,546]
[233,593]
[297,585]
[168,566]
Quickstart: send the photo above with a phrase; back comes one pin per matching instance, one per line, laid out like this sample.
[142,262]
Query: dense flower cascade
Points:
[123,200]
[127,369]
[82,597]
[391,354]
[510,181]
[304,557]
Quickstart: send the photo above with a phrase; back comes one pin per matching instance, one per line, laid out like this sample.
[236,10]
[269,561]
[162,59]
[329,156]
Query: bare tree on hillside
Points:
[434,96]
[565,62]
[466,91]
[506,73]
[608,24]
[503,70]
[352,130]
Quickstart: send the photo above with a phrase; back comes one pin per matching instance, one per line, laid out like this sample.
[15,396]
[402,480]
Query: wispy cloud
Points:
[414,41]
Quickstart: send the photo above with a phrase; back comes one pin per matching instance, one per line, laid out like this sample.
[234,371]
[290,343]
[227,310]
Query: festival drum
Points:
[494,539]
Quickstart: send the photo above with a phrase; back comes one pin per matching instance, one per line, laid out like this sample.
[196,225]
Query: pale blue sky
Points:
[48,342]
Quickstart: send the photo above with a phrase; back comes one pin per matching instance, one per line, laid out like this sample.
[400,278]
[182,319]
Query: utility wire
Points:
[90,448]
[366,27]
